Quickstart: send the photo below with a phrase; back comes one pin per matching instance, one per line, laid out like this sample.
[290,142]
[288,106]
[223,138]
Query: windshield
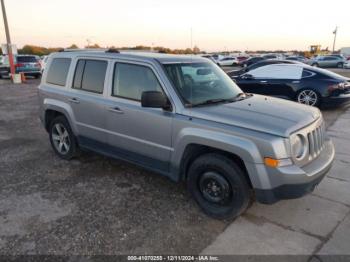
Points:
[198,83]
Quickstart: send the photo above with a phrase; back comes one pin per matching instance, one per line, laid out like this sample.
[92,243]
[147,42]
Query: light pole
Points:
[335,37]
[8,39]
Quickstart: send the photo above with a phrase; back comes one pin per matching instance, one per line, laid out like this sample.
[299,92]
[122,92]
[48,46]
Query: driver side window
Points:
[130,80]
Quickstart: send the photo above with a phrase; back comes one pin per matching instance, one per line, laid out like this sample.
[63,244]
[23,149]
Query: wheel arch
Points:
[54,108]
[193,151]
[193,142]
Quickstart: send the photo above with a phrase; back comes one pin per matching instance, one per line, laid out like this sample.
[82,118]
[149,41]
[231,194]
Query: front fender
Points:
[243,148]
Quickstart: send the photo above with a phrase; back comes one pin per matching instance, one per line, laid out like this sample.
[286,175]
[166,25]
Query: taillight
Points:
[19,65]
[339,86]
[38,64]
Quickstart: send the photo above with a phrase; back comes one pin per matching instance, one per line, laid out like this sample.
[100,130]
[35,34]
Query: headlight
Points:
[298,145]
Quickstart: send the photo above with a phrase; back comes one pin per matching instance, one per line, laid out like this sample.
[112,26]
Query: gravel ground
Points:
[91,205]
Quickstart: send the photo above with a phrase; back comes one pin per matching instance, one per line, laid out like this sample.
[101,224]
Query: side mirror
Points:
[247,77]
[154,99]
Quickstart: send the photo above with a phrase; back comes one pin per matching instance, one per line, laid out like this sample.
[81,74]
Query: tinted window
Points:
[306,74]
[130,81]
[90,75]
[78,76]
[330,58]
[277,72]
[58,71]
[26,59]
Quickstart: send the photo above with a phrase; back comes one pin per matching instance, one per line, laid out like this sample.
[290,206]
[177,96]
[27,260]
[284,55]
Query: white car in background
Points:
[228,61]
[347,64]
[43,62]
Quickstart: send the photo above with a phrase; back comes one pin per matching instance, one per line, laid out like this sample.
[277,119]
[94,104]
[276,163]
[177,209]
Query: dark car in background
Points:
[297,58]
[251,61]
[27,64]
[298,82]
[244,70]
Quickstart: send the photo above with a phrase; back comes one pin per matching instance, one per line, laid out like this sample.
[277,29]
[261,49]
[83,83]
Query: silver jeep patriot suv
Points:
[183,117]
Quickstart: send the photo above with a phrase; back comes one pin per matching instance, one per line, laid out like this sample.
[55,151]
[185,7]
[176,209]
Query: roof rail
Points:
[107,50]
[83,50]
[112,50]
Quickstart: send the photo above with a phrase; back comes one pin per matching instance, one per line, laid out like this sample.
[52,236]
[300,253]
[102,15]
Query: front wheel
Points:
[340,65]
[315,65]
[308,97]
[62,138]
[219,186]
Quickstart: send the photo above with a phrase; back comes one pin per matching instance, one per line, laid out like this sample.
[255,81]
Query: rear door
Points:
[87,99]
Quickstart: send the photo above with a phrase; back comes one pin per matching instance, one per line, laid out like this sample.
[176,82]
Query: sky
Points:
[211,25]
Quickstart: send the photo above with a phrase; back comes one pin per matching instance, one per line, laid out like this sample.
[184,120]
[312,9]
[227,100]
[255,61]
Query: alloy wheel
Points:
[60,138]
[308,97]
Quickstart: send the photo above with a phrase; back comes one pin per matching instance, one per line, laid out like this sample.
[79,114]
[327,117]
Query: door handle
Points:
[263,82]
[74,100]
[116,110]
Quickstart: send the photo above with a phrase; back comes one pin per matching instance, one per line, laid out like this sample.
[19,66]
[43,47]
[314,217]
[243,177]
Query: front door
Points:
[139,134]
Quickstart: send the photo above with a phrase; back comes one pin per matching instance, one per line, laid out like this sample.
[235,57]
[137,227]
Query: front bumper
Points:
[295,182]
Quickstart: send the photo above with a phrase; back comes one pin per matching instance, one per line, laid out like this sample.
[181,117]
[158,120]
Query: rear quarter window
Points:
[58,71]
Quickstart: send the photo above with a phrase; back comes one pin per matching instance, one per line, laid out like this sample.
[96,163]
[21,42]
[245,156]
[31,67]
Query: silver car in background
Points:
[327,61]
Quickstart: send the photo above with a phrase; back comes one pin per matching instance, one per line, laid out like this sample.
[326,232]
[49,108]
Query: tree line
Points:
[41,51]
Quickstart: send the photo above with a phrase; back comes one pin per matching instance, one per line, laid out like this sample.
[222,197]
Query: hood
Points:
[260,113]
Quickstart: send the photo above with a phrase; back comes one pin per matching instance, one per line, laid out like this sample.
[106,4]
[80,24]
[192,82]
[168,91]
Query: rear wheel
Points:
[219,186]
[315,64]
[308,97]
[62,138]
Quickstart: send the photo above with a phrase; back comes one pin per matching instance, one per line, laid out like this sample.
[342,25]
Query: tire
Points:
[315,65]
[63,139]
[311,97]
[340,65]
[37,76]
[231,185]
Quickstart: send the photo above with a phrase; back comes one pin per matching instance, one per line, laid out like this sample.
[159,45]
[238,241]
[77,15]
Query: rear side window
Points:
[58,71]
[277,72]
[90,75]
[26,59]
[129,81]
[307,74]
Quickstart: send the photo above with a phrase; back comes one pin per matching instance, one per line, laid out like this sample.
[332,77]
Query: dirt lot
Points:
[91,205]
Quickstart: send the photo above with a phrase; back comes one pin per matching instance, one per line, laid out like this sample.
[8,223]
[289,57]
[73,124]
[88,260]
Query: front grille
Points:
[316,139]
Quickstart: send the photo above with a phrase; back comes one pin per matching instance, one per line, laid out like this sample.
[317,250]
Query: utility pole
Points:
[8,39]
[335,37]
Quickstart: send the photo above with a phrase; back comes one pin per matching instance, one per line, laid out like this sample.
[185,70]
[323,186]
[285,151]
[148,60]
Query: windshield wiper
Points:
[238,97]
[214,101]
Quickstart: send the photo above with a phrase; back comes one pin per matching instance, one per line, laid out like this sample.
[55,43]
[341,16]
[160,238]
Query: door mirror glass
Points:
[154,99]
